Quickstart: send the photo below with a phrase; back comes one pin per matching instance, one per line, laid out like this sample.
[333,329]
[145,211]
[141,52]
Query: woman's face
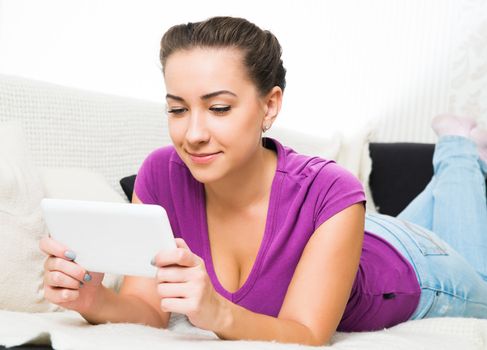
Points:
[214,110]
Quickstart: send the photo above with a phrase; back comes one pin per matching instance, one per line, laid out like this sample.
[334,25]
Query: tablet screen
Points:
[119,238]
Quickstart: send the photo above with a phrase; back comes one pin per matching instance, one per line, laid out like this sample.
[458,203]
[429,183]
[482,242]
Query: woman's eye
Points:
[176,111]
[220,110]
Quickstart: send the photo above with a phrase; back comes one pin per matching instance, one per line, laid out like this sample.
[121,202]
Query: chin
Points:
[205,176]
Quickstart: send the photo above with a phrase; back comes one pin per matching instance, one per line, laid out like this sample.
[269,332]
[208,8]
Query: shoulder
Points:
[317,169]
[327,185]
[338,190]
[338,176]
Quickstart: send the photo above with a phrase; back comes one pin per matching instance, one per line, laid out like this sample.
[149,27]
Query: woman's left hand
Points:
[184,287]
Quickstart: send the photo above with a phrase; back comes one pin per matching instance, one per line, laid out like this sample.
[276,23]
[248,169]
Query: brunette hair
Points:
[261,49]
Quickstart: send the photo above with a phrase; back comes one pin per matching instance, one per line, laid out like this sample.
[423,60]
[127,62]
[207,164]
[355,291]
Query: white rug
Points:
[68,330]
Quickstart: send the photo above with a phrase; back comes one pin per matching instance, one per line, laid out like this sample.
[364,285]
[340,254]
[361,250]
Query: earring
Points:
[265,128]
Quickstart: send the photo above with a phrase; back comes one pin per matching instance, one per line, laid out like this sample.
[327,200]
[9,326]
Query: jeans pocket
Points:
[426,241]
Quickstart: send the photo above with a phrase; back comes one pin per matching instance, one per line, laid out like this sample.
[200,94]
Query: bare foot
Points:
[479,136]
[449,124]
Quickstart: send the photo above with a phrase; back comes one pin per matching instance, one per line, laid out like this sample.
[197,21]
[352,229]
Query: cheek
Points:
[176,130]
[232,131]
[244,135]
[246,123]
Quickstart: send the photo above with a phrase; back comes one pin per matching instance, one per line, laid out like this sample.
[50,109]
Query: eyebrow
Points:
[204,97]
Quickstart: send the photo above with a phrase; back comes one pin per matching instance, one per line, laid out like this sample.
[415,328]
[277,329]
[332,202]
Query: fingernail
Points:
[153,262]
[87,277]
[70,254]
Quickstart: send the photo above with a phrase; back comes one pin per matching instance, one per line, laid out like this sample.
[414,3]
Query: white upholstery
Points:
[74,128]
[22,186]
[71,132]
[21,226]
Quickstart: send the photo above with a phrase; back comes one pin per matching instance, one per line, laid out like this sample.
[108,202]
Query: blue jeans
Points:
[443,233]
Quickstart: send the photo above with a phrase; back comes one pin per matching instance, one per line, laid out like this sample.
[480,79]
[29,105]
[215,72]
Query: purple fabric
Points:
[305,192]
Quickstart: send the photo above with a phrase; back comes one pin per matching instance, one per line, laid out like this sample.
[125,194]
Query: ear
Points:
[272,105]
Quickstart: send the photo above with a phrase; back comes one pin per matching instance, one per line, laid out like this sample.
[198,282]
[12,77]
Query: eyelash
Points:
[216,110]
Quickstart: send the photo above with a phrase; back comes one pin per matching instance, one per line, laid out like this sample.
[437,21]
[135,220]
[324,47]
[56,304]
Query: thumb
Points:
[195,259]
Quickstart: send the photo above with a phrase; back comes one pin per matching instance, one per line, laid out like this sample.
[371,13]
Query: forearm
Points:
[119,308]
[239,323]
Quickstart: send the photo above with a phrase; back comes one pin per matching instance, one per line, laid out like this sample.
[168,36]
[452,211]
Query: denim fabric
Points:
[443,233]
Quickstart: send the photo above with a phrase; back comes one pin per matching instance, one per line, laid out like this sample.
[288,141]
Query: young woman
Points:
[274,245]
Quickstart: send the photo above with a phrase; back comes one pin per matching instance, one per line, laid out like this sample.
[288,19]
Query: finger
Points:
[59,279]
[60,295]
[172,290]
[177,305]
[172,274]
[178,256]
[53,247]
[67,267]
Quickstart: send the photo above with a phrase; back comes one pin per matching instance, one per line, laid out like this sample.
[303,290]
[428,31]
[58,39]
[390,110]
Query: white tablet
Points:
[119,238]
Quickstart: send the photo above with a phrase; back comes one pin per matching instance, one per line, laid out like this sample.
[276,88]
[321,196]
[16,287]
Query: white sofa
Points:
[68,143]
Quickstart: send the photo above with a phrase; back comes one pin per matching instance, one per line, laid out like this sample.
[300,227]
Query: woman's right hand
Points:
[66,283]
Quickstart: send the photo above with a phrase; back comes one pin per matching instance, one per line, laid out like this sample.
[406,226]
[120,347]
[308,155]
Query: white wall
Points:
[348,61]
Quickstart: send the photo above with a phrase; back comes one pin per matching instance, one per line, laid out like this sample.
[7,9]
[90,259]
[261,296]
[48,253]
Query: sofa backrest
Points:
[67,127]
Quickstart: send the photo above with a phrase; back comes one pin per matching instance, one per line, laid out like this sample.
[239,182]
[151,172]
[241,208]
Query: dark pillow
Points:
[127,184]
[400,171]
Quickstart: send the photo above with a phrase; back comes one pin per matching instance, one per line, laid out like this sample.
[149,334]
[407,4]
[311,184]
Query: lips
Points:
[202,154]
[203,158]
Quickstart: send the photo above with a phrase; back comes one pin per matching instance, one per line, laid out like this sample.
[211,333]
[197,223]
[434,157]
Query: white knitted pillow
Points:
[68,127]
[77,183]
[22,187]
[21,225]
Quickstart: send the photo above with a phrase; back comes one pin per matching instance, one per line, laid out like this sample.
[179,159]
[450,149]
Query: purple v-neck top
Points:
[305,192]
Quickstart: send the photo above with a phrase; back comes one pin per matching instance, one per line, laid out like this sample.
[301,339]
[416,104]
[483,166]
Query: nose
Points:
[197,131]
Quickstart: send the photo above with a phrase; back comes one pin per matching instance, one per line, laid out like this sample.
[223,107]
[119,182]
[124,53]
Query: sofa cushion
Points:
[127,184]
[77,183]
[21,223]
[22,186]
[400,171]
[69,127]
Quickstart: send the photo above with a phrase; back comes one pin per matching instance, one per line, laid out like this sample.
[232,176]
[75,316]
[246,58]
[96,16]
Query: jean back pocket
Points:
[425,240]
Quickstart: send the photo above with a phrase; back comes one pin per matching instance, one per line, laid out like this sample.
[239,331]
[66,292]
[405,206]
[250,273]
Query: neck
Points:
[244,188]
